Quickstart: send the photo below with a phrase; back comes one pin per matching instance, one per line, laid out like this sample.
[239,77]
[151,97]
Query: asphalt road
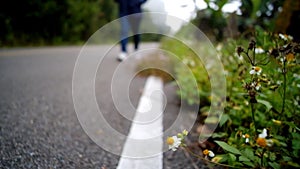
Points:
[39,127]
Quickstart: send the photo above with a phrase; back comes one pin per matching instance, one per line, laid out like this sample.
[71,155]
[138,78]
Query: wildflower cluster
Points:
[266,78]
[260,125]
[262,140]
[253,86]
[208,153]
[174,142]
[285,53]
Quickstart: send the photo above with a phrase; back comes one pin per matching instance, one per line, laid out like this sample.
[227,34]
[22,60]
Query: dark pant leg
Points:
[135,21]
[124,33]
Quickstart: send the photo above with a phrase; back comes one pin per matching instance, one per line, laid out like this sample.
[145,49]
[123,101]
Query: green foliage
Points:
[260,13]
[187,69]
[228,148]
[260,125]
[212,20]
[273,105]
[52,21]
[215,24]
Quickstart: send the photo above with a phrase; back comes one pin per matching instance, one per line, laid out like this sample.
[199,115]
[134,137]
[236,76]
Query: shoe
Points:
[122,56]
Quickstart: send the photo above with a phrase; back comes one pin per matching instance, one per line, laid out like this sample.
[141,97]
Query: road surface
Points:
[39,127]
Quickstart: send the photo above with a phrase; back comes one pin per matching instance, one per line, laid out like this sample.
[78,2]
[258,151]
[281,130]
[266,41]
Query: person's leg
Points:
[124,38]
[135,21]
[124,33]
[136,40]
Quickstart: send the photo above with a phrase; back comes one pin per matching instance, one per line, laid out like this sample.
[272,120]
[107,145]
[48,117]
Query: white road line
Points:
[144,144]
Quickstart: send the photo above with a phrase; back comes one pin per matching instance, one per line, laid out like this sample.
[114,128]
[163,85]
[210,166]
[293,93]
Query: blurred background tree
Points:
[55,22]
[287,21]
[212,20]
[36,22]
[271,15]
[259,13]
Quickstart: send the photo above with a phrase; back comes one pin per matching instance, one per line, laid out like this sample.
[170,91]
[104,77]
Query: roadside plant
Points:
[268,94]
[174,142]
[260,127]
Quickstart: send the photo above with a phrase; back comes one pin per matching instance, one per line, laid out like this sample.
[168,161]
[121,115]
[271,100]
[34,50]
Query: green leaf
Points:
[222,157]
[266,103]
[231,157]
[296,136]
[249,153]
[243,158]
[219,135]
[291,124]
[256,6]
[293,164]
[228,147]
[287,158]
[296,144]
[274,165]
[212,120]
[249,164]
[224,119]
[272,156]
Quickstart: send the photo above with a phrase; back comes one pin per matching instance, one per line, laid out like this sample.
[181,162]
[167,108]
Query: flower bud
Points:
[239,50]
[277,122]
[251,45]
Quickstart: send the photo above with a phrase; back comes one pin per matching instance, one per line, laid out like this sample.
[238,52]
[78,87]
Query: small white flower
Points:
[282,60]
[173,142]
[262,141]
[211,154]
[264,134]
[282,36]
[246,136]
[259,50]
[208,153]
[285,37]
[257,87]
[247,140]
[255,70]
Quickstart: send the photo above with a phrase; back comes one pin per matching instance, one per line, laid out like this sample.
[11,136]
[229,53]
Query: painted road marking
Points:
[144,144]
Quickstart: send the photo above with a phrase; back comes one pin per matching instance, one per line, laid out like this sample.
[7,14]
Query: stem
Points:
[253,116]
[284,87]
[262,157]
[253,56]
[250,60]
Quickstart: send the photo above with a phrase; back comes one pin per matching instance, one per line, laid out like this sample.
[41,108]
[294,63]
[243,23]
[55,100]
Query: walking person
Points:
[134,10]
